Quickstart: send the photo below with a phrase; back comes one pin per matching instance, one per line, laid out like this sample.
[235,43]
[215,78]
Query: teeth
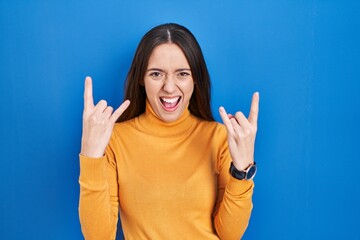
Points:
[170,100]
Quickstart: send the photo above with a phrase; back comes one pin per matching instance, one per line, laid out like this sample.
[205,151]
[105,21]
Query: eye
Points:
[156,75]
[183,74]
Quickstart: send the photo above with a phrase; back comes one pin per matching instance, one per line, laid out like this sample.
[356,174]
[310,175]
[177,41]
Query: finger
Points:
[88,94]
[114,117]
[226,120]
[107,112]
[241,119]
[100,107]
[254,110]
[237,128]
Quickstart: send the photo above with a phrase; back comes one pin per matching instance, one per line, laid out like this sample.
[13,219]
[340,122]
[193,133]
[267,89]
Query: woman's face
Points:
[168,82]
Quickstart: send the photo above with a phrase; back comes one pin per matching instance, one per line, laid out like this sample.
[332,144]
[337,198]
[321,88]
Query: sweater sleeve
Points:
[99,201]
[234,201]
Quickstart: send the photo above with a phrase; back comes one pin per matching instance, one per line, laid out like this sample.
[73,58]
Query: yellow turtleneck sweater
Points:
[170,181]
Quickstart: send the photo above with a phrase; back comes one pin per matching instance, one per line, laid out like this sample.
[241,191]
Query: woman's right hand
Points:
[98,122]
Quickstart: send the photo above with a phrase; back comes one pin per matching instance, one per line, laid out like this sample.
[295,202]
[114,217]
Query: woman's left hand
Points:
[241,134]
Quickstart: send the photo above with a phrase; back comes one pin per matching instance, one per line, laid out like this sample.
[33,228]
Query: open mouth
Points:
[170,104]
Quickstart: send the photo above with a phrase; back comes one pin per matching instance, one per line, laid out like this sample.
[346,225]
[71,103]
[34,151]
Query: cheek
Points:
[189,89]
[151,88]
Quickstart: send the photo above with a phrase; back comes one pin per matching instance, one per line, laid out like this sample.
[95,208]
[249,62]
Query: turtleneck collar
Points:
[153,124]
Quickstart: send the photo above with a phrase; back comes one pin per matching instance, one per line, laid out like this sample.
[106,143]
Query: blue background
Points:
[302,56]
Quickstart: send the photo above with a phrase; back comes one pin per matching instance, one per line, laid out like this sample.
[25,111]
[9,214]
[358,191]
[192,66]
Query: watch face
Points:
[251,173]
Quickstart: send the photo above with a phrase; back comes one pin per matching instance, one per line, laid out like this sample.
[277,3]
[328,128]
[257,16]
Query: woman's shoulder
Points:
[125,126]
[215,127]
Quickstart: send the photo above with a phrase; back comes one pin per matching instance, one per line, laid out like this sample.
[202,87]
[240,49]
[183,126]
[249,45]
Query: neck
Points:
[152,123]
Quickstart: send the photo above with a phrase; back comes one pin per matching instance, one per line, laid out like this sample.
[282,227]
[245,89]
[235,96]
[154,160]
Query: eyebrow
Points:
[161,70]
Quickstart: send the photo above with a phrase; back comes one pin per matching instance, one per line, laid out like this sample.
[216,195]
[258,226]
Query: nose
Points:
[169,84]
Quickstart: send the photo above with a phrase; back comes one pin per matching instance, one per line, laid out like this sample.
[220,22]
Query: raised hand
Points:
[98,122]
[241,134]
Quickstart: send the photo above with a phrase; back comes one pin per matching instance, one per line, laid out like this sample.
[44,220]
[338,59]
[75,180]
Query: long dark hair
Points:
[168,33]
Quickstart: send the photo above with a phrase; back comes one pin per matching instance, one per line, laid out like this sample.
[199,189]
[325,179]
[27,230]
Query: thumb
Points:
[117,113]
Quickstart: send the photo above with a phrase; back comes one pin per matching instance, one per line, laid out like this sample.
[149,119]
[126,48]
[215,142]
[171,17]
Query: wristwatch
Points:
[247,174]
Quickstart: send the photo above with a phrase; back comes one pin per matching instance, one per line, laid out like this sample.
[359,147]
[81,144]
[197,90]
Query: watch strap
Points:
[247,174]
[240,175]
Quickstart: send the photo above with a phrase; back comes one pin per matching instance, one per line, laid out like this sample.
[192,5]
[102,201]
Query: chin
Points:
[169,117]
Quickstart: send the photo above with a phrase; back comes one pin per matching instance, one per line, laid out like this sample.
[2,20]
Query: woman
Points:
[166,165]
